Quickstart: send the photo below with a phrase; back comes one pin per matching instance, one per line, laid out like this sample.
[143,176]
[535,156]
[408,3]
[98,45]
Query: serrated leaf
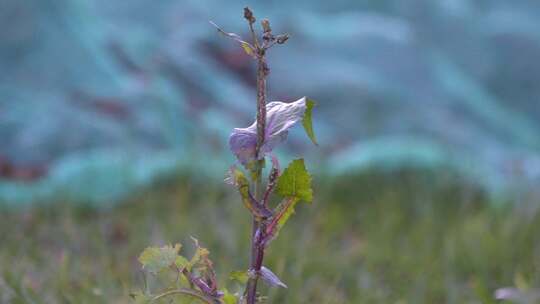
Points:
[155,259]
[181,262]
[269,277]
[295,181]
[201,253]
[307,121]
[239,276]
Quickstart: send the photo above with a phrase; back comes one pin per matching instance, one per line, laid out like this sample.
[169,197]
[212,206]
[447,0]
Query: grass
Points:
[406,237]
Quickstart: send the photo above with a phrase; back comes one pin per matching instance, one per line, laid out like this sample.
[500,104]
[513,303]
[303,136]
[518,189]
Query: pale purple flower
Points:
[517,296]
[280,117]
[269,277]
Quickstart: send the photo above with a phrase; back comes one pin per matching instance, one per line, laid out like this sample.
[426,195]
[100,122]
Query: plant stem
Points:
[258,231]
[262,72]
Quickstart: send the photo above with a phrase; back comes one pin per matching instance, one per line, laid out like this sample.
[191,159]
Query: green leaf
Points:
[283,212]
[247,48]
[307,121]
[155,259]
[295,182]
[181,262]
[237,178]
[239,276]
[295,185]
[286,212]
[229,298]
[201,254]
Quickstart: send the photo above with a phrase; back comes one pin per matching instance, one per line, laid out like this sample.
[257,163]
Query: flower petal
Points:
[242,143]
[280,117]
[269,277]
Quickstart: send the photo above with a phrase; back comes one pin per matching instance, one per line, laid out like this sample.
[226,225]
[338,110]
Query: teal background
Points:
[100,98]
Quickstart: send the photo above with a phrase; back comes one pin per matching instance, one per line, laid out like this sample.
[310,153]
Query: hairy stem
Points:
[257,236]
[262,72]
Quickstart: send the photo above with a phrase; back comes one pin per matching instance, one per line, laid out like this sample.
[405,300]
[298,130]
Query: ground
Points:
[405,237]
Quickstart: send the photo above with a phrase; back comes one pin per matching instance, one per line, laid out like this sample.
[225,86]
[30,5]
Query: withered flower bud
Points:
[266,26]
[281,39]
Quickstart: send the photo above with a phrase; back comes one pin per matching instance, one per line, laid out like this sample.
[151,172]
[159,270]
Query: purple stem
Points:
[258,234]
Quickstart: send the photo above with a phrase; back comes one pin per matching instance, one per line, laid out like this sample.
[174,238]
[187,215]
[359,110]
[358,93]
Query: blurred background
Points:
[115,116]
